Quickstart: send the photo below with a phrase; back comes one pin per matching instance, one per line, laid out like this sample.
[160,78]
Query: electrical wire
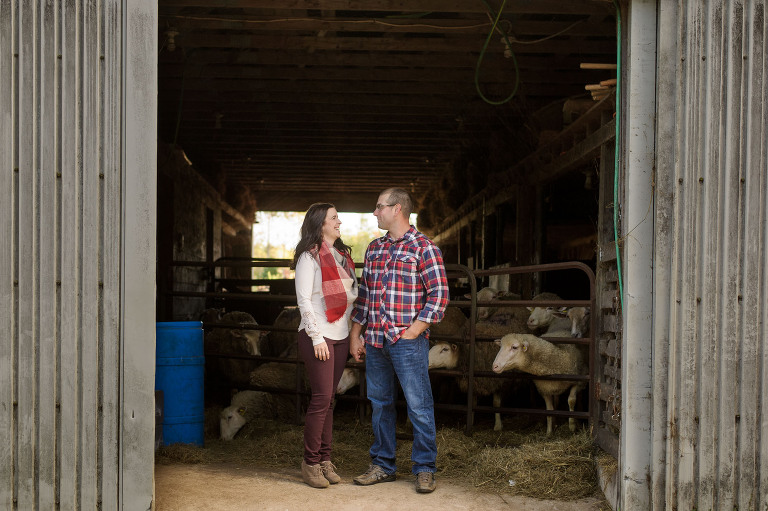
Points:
[616,154]
[482,54]
[536,41]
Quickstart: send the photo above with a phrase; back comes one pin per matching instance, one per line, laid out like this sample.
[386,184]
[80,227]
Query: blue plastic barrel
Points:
[179,374]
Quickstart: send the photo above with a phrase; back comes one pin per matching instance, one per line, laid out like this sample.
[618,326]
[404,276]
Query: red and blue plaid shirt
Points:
[403,280]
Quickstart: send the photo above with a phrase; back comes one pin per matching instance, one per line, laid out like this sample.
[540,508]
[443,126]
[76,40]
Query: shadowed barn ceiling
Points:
[306,100]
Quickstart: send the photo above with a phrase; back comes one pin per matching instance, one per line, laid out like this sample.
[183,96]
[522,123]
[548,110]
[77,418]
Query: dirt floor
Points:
[212,487]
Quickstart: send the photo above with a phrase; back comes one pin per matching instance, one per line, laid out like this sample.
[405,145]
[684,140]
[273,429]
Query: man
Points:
[402,290]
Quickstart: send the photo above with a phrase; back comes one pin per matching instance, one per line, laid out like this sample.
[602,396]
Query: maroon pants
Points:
[324,376]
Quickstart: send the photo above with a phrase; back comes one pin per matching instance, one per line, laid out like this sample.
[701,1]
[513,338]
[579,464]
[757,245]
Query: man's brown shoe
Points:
[425,482]
[374,474]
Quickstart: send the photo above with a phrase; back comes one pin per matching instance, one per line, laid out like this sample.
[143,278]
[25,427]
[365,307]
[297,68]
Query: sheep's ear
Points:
[530,309]
[468,296]
[454,347]
[241,411]
[498,342]
[525,346]
[560,313]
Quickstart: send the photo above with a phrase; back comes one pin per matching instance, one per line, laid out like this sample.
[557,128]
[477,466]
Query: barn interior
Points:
[497,116]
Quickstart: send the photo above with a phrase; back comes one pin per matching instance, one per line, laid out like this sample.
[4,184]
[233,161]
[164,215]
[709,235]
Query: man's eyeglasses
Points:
[382,206]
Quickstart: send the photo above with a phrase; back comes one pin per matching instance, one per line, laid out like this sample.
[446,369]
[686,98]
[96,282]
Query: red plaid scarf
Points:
[334,293]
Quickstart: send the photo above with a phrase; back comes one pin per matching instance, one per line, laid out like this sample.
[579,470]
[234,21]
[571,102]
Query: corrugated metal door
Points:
[64,177]
[710,392]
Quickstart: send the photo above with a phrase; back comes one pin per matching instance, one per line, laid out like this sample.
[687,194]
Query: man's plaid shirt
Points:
[402,280]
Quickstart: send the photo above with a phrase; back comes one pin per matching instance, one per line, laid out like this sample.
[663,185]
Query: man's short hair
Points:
[402,197]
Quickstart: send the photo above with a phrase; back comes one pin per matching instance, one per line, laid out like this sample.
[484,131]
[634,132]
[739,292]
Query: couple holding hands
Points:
[403,288]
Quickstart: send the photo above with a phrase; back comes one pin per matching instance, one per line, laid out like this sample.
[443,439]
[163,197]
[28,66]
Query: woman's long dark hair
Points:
[312,232]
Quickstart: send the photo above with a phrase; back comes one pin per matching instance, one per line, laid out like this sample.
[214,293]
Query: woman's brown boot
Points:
[329,471]
[313,475]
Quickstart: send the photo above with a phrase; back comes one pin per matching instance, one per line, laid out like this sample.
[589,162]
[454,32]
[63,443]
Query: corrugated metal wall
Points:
[710,361]
[61,182]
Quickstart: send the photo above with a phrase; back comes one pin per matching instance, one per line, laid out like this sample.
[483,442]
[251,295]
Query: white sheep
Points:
[541,317]
[244,407]
[232,372]
[279,375]
[452,356]
[579,320]
[284,344]
[533,355]
[349,378]
[454,322]
[253,338]
[489,294]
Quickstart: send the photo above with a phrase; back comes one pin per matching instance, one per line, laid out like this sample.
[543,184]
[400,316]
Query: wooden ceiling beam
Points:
[457,90]
[233,110]
[338,98]
[321,181]
[425,75]
[228,71]
[284,57]
[380,150]
[447,44]
[520,27]
[402,6]
[203,113]
[330,141]
[256,176]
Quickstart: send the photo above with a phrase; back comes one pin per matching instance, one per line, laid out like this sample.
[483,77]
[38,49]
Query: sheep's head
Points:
[579,318]
[541,317]
[511,353]
[231,419]
[253,341]
[485,295]
[349,378]
[444,355]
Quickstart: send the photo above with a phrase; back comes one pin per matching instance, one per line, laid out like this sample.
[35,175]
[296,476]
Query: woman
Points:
[326,286]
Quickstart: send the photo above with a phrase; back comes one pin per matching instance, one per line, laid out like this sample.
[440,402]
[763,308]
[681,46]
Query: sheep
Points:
[541,317]
[244,407]
[497,321]
[454,322]
[253,338]
[578,318]
[349,378]
[279,375]
[284,344]
[211,315]
[450,356]
[248,405]
[533,355]
[488,294]
[232,372]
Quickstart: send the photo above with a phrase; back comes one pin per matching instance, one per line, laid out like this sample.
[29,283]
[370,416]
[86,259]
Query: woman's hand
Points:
[321,351]
[357,348]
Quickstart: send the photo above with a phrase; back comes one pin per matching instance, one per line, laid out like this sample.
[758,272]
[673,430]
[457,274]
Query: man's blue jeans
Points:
[408,360]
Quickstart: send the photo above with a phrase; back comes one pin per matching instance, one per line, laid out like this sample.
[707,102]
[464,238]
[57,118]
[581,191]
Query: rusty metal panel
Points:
[710,415]
[61,281]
